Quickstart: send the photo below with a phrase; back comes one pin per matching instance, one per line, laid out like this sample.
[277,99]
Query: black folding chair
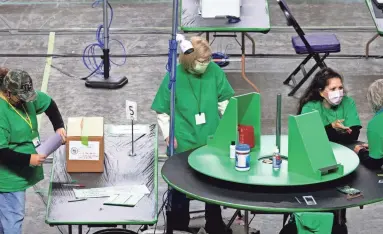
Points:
[311,44]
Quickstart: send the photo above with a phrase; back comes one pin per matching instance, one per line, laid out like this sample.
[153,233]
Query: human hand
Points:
[3,71]
[338,125]
[62,133]
[37,159]
[357,148]
[175,142]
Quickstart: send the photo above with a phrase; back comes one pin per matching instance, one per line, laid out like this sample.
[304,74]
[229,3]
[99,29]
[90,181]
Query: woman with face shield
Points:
[371,154]
[202,94]
[337,110]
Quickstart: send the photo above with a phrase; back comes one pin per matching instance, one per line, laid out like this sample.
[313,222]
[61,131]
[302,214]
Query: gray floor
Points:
[24,30]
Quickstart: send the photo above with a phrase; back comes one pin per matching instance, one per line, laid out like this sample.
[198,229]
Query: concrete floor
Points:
[145,73]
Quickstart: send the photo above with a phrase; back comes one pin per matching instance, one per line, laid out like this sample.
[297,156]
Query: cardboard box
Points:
[85,144]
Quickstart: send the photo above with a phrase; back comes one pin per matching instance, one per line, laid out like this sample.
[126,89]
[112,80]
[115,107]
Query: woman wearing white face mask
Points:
[202,94]
[337,110]
[338,113]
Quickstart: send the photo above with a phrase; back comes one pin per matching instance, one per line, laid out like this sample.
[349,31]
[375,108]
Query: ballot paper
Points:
[124,200]
[51,145]
[127,129]
[110,191]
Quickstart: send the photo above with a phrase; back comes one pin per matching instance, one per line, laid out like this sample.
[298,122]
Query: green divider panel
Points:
[309,150]
[314,222]
[241,110]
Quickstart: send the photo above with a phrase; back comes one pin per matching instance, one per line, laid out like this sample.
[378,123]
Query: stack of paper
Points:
[124,199]
[119,195]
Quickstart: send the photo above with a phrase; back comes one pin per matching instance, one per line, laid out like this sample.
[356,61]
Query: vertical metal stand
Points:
[278,122]
[173,50]
[132,153]
[172,86]
[106,82]
[246,222]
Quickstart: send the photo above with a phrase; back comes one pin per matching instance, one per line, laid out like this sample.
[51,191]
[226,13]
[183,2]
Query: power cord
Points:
[89,60]
[164,201]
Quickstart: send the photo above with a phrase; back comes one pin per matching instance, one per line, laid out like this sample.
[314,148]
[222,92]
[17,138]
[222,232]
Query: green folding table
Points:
[254,16]
[377,16]
[120,169]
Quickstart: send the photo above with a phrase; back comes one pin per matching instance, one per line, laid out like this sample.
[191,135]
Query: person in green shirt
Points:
[371,154]
[20,165]
[339,115]
[337,110]
[202,94]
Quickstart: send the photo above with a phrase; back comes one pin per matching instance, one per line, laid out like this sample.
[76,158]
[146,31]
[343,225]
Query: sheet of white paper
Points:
[51,145]
[134,199]
[109,191]
[127,129]
[123,199]
[78,151]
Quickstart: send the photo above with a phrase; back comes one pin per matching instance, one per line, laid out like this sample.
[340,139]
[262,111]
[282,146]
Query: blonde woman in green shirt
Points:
[371,154]
[338,111]
[203,93]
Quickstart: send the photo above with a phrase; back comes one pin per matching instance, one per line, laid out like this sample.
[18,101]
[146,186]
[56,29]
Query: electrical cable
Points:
[223,56]
[164,201]
[233,19]
[245,77]
[89,54]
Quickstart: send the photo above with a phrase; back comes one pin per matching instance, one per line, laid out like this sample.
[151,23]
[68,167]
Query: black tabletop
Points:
[179,175]
[120,169]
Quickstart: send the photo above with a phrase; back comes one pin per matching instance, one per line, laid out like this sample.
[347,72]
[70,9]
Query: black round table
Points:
[278,200]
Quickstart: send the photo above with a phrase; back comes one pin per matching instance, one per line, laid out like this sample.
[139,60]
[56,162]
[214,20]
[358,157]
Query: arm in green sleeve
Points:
[161,102]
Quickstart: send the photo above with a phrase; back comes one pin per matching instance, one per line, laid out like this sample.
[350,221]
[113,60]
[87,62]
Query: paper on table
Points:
[51,145]
[124,200]
[109,191]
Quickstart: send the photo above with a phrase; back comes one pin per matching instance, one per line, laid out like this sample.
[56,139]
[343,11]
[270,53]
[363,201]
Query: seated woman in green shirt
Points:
[202,94]
[371,154]
[337,110]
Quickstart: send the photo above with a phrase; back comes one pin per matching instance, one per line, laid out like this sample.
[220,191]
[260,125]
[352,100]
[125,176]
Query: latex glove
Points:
[62,133]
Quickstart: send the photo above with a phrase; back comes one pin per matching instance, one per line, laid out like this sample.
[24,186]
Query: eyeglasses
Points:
[206,61]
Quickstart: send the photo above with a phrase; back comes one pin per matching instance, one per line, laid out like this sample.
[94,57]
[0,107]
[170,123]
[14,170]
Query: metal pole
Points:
[278,122]
[172,84]
[106,40]
[173,48]
[246,222]
[132,153]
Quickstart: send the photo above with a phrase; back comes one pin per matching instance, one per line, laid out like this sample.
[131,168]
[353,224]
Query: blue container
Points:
[242,157]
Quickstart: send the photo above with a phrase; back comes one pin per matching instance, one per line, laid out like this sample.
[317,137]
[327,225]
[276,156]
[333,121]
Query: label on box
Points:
[78,151]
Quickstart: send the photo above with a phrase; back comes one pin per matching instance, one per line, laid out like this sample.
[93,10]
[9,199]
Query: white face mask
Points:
[335,97]
[200,68]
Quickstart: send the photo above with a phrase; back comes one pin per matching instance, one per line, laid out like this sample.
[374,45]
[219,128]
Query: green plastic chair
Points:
[314,222]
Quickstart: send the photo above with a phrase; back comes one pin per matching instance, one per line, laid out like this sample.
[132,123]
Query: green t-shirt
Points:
[191,91]
[17,135]
[375,136]
[345,110]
